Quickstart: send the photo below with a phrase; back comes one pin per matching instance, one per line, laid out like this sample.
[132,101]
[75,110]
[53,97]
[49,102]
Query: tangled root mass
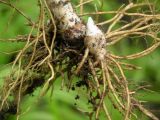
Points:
[67,45]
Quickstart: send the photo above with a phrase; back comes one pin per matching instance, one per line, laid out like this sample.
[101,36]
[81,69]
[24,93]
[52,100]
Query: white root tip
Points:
[92,29]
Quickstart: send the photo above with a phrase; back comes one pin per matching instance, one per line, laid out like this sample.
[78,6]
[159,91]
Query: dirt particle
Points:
[73,88]
[77,97]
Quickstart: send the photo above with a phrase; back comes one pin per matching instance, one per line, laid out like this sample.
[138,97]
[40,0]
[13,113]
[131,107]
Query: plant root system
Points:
[66,45]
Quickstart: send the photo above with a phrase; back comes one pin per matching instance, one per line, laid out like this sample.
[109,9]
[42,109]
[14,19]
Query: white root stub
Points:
[68,23]
[95,40]
[64,13]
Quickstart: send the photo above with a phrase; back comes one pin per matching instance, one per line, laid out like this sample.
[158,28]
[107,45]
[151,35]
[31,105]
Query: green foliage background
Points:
[61,105]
